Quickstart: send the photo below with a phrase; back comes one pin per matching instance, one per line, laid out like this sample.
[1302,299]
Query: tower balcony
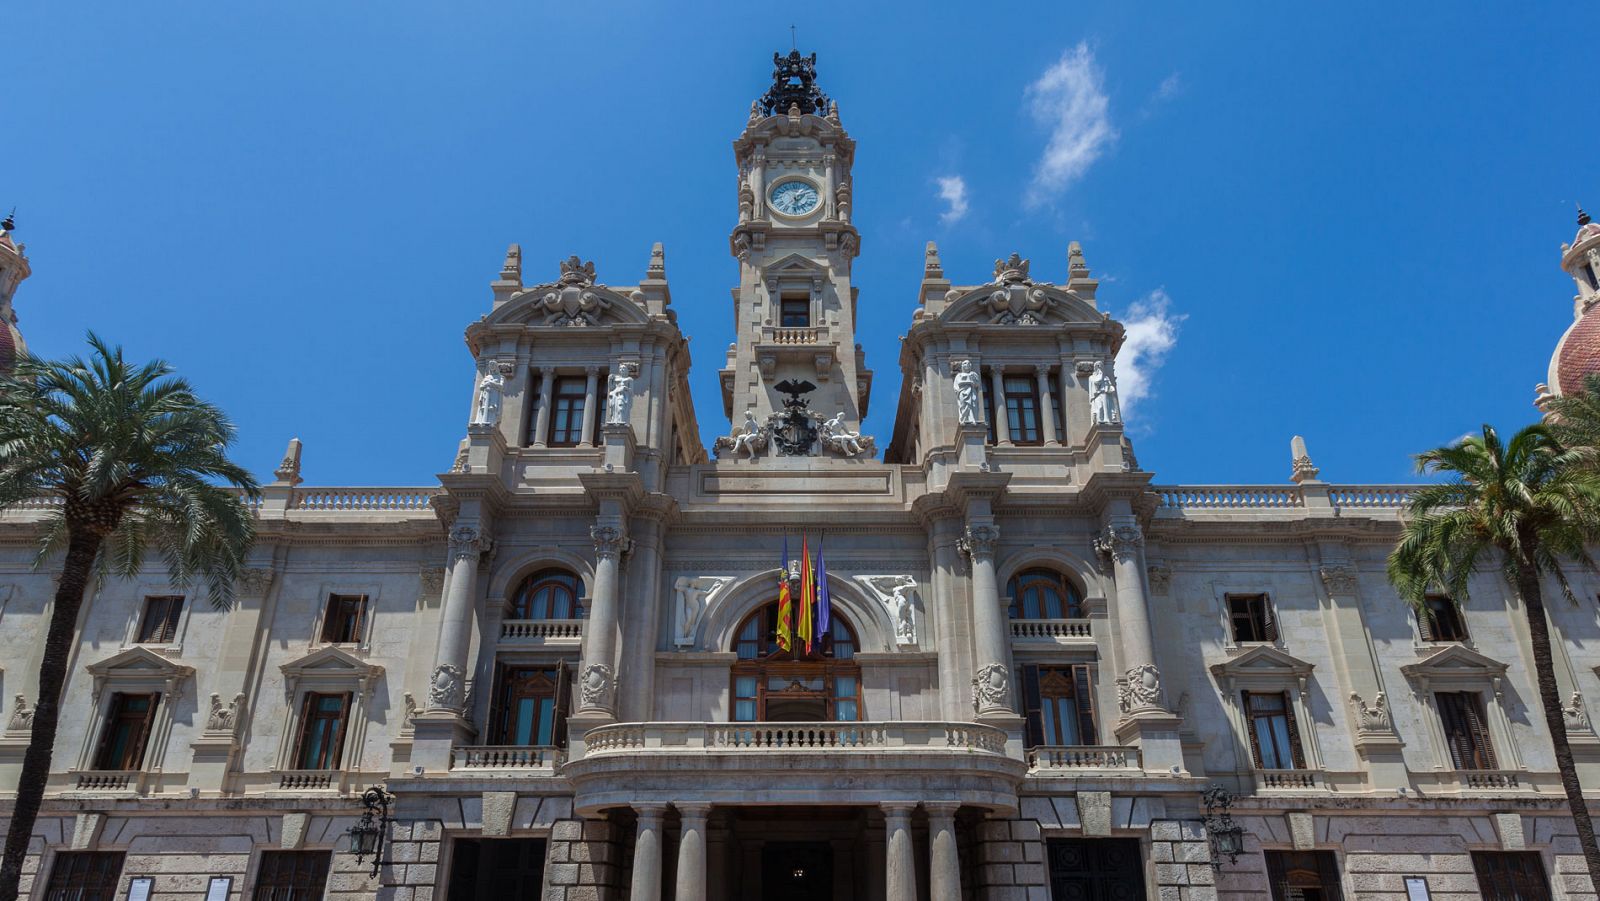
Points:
[794,763]
[812,344]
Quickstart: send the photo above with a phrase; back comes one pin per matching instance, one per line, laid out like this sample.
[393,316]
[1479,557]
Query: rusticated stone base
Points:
[584,862]
[1010,861]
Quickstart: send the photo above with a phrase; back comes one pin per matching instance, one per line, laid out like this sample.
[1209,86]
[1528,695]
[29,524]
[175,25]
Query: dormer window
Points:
[795,311]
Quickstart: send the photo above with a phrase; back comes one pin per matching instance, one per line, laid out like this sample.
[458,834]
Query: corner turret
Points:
[13,269]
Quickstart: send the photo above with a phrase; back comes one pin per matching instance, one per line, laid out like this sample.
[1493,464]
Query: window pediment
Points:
[330,667]
[1262,661]
[567,305]
[1455,663]
[1025,304]
[138,664]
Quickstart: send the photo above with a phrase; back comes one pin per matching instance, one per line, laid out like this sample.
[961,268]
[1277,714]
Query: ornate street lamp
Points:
[1227,837]
[366,837]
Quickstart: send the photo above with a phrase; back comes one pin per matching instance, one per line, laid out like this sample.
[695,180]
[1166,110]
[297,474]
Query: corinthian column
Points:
[448,690]
[1139,688]
[597,681]
[991,688]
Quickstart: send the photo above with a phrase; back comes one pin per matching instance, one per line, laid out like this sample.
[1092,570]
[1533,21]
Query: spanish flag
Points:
[808,596]
[785,601]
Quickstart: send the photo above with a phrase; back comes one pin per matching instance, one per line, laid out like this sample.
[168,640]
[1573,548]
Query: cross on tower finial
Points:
[793,45]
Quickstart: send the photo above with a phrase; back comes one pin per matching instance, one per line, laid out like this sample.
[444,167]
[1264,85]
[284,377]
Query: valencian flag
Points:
[785,601]
[824,601]
[808,596]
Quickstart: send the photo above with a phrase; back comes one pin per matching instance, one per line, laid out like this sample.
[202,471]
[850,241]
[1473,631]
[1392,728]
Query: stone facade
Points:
[555,657]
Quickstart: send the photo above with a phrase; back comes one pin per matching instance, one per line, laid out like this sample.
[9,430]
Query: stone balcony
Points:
[1052,631]
[539,632]
[813,344]
[510,760]
[1076,760]
[851,763]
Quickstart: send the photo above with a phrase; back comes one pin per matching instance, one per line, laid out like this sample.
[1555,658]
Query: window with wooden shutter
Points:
[159,625]
[530,706]
[1032,704]
[126,731]
[292,875]
[1251,615]
[344,619]
[1083,691]
[322,728]
[1303,876]
[1059,705]
[1510,876]
[84,876]
[1274,734]
[1466,729]
[1440,619]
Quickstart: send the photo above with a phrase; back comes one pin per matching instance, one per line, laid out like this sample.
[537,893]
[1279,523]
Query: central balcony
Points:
[812,344]
[794,763]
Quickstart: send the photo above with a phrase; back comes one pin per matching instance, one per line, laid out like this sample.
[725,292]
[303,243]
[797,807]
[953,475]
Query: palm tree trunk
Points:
[1550,700]
[82,546]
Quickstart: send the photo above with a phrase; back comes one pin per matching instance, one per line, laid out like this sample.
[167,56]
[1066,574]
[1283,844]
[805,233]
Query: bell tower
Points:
[794,307]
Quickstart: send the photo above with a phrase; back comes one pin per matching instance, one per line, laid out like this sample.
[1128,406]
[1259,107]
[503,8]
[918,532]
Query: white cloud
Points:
[1152,332]
[1070,100]
[953,191]
[1171,86]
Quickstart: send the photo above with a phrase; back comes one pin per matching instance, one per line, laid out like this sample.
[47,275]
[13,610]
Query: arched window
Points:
[547,594]
[1043,594]
[774,685]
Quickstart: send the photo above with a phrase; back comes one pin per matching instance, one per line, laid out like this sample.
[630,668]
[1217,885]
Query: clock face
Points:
[795,198]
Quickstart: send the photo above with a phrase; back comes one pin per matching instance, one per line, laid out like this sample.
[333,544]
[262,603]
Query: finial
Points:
[9,223]
[1583,218]
[932,267]
[1303,470]
[511,269]
[794,80]
[658,262]
[1011,271]
[1077,267]
[288,472]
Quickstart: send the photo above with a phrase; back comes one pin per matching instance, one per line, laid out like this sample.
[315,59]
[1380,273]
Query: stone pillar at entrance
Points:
[901,861]
[944,869]
[597,678]
[692,852]
[647,855]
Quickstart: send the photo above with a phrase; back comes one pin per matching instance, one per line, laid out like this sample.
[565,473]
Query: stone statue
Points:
[619,396]
[897,594]
[224,718]
[969,399]
[21,715]
[487,411]
[837,437]
[694,596]
[1103,403]
[750,438]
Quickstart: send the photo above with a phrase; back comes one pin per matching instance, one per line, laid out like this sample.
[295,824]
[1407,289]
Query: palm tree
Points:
[1526,506]
[132,460]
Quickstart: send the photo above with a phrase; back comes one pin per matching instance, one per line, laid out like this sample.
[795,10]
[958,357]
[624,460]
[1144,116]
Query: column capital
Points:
[1120,542]
[1042,370]
[940,810]
[592,370]
[897,809]
[978,541]
[650,811]
[467,543]
[693,811]
[609,541]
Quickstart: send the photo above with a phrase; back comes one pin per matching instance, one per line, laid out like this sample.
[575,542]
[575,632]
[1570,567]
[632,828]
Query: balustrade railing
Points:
[306,779]
[541,630]
[1046,758]
[1294,779]
[505,757]
[1372,496]
[106,780]
[905,736]
[1229,497]
[1490,779]
[792,334]
[1050,629]
[362,498]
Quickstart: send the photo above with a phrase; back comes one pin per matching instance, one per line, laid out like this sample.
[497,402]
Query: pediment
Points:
[138,662]
[795,266]
[1262,660]
[569,305]
[1454,660]
[1021,304]
[331,661]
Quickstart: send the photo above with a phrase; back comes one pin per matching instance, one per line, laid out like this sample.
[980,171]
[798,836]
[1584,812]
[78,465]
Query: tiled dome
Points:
[1578,354]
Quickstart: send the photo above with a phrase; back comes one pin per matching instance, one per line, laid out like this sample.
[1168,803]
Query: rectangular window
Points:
[1510,876]
[531,706]
[566,411]
[346,617]
[1466,729]
[1252,619]
[795,312]
[159,625]
[1304,876]
[292,875]
[1022,409]
[1060,705]
[322,731]
[1274,734]
[84,876]
[127,731]
[1440,620]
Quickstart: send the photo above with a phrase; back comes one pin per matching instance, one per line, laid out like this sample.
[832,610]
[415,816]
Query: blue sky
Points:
[1337,221]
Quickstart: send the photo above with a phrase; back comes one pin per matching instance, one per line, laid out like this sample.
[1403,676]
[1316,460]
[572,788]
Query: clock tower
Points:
[795,309]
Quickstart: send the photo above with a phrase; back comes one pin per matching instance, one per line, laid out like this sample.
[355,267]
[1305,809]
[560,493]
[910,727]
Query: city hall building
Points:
[1043,673]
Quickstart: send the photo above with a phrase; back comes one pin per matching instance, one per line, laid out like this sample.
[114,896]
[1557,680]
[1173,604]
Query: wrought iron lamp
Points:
[1227,837]
[366,837]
